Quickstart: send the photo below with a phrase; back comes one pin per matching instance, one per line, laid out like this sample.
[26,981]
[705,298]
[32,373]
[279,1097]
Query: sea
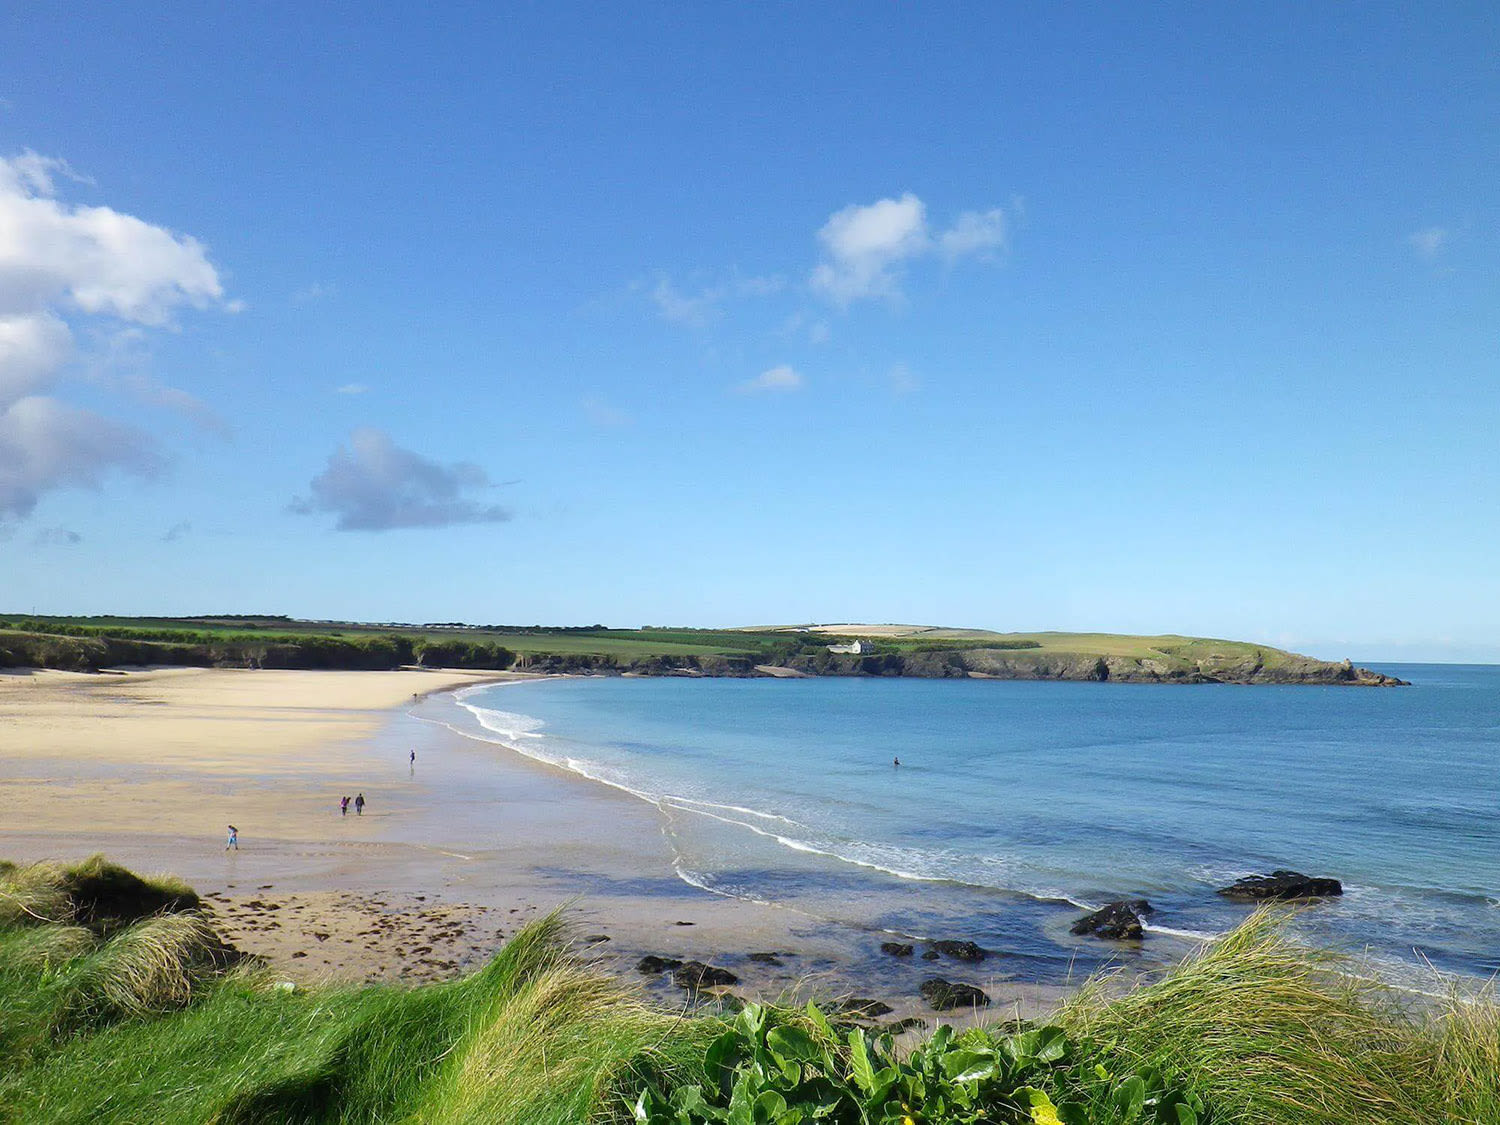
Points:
[1017,806]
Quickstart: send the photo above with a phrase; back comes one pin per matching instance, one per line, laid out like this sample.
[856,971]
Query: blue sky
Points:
[1069,317]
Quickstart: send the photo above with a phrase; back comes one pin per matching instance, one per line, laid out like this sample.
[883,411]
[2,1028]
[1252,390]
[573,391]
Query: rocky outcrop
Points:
[1281,886]
[959,950]
[944,995]
[896,948]
[1119,921]
[1239,665]
[694,975]
[652,964]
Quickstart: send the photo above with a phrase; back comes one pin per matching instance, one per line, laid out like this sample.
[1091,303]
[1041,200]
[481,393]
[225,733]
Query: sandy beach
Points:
[150,766]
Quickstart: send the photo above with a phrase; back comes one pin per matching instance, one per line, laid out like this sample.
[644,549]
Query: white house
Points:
[854,648]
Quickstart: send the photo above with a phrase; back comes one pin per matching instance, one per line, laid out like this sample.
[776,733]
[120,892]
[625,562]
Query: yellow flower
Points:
[1043,1112]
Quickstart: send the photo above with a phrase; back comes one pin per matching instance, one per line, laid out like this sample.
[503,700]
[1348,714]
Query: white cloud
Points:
[33,348]
[317,291]
[699,308]
[975,232]
[601,413]
[865,247]
[177,531]
[62,265]
[684,308]
[372,484]
[93,259]
[781,378]
[352,389]
[46,444]
[902,381]
[1429,241]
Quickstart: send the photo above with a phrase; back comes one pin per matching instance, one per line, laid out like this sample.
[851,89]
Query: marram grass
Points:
[109,1018]
[1270,1032]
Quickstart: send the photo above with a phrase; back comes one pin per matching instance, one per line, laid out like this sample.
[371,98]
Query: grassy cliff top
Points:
[768,641]
[1131,645]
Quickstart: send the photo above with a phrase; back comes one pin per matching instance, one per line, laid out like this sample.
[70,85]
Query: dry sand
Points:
[150,766]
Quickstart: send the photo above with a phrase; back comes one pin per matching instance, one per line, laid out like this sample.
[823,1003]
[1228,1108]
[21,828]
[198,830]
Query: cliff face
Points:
[1164,668]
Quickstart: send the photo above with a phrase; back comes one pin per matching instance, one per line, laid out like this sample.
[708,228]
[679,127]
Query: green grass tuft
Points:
[1271,1032]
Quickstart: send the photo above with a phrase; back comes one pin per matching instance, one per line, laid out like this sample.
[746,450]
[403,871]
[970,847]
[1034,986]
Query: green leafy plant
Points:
[774,1067]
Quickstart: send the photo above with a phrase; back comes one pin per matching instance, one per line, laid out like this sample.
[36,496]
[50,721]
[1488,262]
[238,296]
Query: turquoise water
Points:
[1017,803]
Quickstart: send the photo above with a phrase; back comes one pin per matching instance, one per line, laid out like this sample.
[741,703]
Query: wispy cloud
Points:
[372,484]
[1429,241]
[190,406]
[177,531]
[902,381]
[317,291]
[781,378]
[866,246]
[602,414]
[702,305]
[979,234]
[352,389]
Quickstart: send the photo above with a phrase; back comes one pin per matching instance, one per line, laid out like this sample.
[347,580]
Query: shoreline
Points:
[428,882]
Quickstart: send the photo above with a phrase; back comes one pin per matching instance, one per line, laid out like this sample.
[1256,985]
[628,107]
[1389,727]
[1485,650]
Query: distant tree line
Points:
[88,648]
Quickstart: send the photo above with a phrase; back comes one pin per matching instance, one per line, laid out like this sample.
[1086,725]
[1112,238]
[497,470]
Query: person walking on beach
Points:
[359,805]
[414,759]
[234,839]
[343,806]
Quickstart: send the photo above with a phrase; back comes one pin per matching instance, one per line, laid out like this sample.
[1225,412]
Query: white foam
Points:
[523,734]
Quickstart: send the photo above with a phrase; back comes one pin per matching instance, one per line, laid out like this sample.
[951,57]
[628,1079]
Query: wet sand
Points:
[452,854]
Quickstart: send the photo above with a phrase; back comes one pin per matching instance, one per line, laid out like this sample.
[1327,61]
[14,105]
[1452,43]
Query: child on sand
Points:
[234,839]
[343,806]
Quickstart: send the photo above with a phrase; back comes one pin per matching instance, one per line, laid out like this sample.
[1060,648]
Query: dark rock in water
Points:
[860,1007]
[930,955]
[766,958]
[959,950]
[896,948]
[595,939]
[1119,921]
[654,964]
[945,995]
[1281,886]
[694,975]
